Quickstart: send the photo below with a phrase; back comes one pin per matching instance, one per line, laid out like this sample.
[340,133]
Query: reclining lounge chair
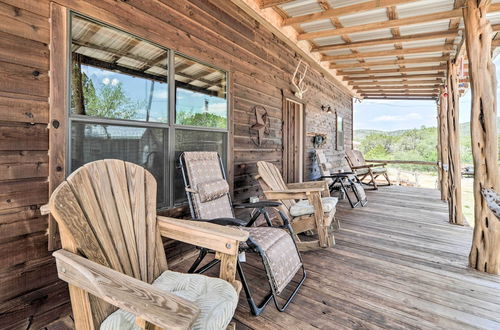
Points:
[366,171]
[313,212]
[209,200]
[114,261]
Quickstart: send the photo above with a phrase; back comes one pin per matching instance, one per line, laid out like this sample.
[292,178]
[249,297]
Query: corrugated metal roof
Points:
[424,7]
[382,36]
[372,16]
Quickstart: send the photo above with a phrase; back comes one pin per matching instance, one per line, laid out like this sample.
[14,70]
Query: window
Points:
[123,107]
[340,133]
[200,94]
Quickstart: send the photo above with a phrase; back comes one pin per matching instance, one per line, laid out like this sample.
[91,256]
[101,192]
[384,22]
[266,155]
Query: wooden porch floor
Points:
[397,263]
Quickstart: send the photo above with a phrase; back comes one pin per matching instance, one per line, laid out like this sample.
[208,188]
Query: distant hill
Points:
[360,134]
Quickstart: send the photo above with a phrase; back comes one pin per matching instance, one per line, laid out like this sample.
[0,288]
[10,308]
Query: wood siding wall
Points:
[213,31]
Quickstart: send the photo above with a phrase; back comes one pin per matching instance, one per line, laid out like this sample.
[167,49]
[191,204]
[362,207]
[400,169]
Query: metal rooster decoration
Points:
[261,125]
[298,79]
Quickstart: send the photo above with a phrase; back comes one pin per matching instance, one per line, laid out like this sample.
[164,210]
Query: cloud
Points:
[160,94]
[410,116]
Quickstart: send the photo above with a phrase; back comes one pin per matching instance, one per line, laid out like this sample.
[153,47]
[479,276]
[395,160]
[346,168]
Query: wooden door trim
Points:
[285,128]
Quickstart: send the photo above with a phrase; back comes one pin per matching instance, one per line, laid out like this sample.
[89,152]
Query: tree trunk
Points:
[485,251]
[443,145]
[454,172]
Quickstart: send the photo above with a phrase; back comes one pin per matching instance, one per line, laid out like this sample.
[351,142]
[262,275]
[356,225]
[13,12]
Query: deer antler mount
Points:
[298,79]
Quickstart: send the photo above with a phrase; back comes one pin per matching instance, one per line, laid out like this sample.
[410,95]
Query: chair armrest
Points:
[378,164]
[306,185]
[362,166]
[161,308]
[256,205]
[226,221]
[291,193]
[204,234]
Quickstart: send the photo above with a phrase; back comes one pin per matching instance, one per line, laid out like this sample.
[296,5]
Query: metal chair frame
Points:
[259,209]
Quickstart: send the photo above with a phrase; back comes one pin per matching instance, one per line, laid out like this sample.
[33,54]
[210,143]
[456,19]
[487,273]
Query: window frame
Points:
[170,126]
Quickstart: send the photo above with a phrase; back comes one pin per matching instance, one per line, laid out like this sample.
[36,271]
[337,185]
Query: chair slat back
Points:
[359,157]
[323,164]
[106,211]
[353,159]
[270,178]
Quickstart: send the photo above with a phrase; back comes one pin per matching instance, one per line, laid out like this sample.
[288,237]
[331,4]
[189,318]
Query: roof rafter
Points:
[395,52]
[385,41]
[404,88]
[419,76]
[360,84]
[416,69]
[272,3]
[346,10]
[383,25]
[435,59]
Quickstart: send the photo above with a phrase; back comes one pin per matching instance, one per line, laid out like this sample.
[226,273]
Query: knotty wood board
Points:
[397,263]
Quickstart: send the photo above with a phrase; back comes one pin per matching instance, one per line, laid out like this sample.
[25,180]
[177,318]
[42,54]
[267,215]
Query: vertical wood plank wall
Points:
[213,31]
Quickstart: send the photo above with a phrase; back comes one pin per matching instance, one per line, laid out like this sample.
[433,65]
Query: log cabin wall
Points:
[213,31]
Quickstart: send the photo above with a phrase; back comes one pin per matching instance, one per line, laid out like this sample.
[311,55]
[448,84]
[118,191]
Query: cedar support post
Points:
[454,171]
[485,250]
[443,145]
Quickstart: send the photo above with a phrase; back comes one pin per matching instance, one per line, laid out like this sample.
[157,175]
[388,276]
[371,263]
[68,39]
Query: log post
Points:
[443,144]
[485,250]
[454,171]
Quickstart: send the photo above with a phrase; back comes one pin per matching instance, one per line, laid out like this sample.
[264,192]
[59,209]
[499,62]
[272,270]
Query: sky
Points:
[138,89]
[391,115]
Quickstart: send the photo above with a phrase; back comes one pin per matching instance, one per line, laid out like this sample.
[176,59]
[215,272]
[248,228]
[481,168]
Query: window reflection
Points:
[117,76]
[200,93]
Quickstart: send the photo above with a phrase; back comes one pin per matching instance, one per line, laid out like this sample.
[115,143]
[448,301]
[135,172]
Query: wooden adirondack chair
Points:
[315,210]
[364,171]
[112,249]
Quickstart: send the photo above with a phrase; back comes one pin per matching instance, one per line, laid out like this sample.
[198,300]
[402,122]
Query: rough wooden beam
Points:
[395,52]
[403,88]
[401,82]
[272,3]
[408,97]
[454,174]
[385,41]
[383,25]
[345,10]
[414,76]
[416,69]
[270,19]
[438,59]
[485,250]
[400,95]
[443,144]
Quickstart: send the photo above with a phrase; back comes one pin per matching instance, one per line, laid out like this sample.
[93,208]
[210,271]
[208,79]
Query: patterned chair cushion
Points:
[216,298]
[204,167]
[280,256]
[208,191]
[303,207]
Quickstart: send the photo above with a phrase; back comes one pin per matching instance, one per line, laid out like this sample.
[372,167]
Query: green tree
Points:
[109,101]
[204,119]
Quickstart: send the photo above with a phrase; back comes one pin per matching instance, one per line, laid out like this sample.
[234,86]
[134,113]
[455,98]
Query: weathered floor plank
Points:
[398,263]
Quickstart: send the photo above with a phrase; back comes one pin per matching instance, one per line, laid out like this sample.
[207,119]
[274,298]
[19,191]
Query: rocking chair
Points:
[341,181]
[114,260]
[209,200]
[315,210]
[366,171]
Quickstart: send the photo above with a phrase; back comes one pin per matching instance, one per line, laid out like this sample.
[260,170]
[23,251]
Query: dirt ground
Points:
[430,180]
